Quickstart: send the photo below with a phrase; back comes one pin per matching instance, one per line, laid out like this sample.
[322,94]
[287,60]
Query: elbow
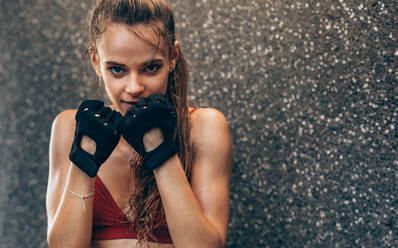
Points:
[54,240]
[217,239]
[214,243]
[219,242]
[51,238]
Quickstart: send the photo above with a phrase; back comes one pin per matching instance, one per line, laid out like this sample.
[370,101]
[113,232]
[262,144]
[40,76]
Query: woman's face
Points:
[130,66]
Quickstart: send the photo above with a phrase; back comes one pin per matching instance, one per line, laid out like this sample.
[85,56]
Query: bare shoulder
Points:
[210,136]
[62,132]
[208,118]
[65,118]
[63,128]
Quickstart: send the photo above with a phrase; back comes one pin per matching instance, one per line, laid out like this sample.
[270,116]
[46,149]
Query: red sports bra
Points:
[109,222]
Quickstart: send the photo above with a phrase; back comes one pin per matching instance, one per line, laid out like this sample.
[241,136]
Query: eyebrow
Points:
[149,62]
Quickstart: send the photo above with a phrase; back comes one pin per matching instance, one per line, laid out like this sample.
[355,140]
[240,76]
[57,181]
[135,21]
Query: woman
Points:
[149,169]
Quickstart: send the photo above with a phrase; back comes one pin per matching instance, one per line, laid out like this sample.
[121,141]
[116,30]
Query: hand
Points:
[148,114]
[101,125]
[152,139]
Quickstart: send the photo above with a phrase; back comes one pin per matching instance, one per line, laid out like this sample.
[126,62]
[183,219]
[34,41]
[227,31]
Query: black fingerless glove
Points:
[100,124]
[150,112]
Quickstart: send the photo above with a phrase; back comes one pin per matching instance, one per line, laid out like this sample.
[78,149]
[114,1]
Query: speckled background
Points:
[309,89]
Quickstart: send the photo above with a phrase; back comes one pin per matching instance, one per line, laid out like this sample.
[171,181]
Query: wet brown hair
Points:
[146,211]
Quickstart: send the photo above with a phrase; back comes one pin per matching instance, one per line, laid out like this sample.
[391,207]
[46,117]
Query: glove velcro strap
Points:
[159,155]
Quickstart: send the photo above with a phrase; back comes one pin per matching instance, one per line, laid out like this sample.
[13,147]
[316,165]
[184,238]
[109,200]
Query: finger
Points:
[118,120]
[88,106]
[103,112]
[143,101]
[132,111]
[157,97]
[93,105]
[115,118]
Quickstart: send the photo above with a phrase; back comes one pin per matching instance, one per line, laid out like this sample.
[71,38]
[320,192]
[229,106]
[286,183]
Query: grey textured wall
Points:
[309,89]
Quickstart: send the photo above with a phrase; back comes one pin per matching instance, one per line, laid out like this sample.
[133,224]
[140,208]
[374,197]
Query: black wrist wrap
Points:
[159,155]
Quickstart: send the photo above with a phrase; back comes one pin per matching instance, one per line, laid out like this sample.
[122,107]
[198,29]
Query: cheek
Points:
[163,82]
[162,86]
[111,88]
[155,85]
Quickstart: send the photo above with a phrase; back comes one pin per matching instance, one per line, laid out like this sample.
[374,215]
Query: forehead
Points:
[121,42]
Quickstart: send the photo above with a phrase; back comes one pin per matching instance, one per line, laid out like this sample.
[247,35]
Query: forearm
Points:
[186,220]
[72,223]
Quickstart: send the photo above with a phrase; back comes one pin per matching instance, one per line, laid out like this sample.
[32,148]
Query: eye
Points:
[152,68]
[116,70]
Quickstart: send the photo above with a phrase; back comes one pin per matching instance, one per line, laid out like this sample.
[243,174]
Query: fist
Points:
[96,135]
[153,117]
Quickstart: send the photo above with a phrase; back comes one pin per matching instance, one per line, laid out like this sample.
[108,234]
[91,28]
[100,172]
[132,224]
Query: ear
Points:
[175,55]
[95,61]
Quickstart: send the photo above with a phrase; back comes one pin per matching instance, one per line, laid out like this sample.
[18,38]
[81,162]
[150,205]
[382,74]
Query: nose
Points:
[134,87]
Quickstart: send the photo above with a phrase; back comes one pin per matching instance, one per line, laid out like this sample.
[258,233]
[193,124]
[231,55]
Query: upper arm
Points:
[212,166]
[60,143]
